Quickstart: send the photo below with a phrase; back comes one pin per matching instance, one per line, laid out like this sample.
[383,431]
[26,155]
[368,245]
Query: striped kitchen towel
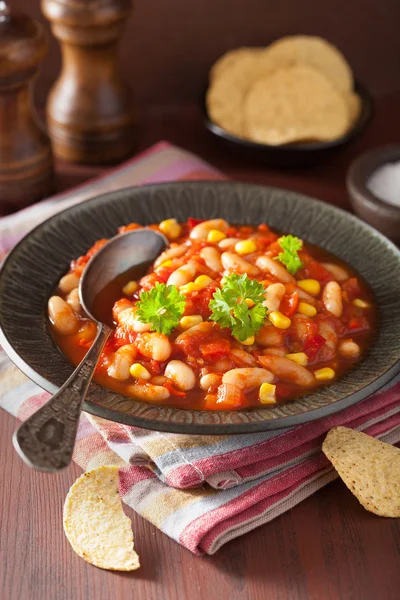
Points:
[202,491]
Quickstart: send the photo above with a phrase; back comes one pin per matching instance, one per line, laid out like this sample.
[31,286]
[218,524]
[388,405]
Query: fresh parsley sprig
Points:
[290,245]
[161,307]
[229,308]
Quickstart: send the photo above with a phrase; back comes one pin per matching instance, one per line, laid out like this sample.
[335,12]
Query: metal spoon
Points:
[46,440]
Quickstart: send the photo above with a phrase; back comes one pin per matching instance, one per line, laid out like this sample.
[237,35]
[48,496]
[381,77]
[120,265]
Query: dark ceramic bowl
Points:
[377,212]
[33,268]
[292,155]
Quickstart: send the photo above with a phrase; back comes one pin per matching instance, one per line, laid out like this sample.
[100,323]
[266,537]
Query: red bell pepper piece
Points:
[314,345]
[193,222]
[289,304]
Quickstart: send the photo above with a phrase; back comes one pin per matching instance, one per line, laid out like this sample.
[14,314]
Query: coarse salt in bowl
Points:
[385,183]
[373,184]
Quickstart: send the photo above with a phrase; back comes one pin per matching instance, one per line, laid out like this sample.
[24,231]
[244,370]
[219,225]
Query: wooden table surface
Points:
[326,548]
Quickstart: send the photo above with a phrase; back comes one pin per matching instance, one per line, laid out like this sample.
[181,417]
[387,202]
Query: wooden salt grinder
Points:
[90,109]
[25,153]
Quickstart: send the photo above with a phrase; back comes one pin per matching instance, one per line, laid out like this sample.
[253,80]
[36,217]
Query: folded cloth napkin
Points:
[202,491]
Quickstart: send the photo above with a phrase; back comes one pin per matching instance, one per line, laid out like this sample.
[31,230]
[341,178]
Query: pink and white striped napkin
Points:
[202,491]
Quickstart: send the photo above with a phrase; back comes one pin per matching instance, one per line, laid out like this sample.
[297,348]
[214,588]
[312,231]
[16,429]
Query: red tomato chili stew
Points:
[228,317]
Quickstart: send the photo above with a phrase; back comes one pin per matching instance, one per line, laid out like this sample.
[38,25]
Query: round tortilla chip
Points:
[95,524]
[233,58]
[227,91]
[293,104]
[369,468]
[354,101]
[315,52]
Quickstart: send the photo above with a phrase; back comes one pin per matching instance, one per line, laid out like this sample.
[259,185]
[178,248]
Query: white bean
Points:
[233,262]
[212,258]
[273,296]
[74,301]
[69,282]
[121,362]
[349,349]
[154,345]
[62,316]
[305,296]
[158,380]
[200,231]
[183,275]
[180,374]
[229,396]
[148,392]
[198,330]
[287,369]
[241,358]
[332,298]
[227,243]
[327,331]
[275,351]
[265,263]
[169,254]
[127,318]
[269,336]
[222,365]
[210,380]
[339,273]
[247,378]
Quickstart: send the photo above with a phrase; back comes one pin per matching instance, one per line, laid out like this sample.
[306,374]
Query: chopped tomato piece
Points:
[149,281]
[215,349]
[313,346]
[193,222]
[289,304]
[314,270]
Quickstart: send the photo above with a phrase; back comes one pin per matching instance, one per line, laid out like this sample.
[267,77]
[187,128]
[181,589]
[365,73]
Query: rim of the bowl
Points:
[357,179]
[195,428]
[364,118]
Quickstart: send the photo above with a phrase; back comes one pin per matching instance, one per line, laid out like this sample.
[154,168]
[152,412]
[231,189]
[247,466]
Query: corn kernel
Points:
[203,281]
[306,309]
[249,302]
[324,374]
[166,263]
[190,321]
[171,228]
[312,286]
[130,288]
[139,371]
[248,341]
[188,288]
[360,303]
[245,247]
[267,393]
[279,320]
[300,358]
[215,236]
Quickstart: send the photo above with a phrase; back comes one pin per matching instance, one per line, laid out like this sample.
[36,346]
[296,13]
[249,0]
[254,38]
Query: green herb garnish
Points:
[161,307]
[230,309]
[289,257]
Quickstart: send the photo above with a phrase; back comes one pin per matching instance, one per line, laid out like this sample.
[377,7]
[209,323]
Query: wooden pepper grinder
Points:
[25,152]
[90,109]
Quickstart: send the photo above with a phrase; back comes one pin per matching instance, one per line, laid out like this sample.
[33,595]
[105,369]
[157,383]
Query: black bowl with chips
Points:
[304,154]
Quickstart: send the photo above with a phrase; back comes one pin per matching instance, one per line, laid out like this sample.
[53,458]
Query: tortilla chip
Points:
[293,104]
[227,90]
[369,468]
[314,52]
[238,56]
[95,524]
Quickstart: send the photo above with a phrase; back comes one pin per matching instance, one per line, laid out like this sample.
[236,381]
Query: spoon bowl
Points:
[46,440]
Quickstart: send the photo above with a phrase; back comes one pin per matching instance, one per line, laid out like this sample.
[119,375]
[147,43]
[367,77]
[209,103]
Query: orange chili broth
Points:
[197,303]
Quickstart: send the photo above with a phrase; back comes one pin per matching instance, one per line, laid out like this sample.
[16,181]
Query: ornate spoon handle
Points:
[46,440]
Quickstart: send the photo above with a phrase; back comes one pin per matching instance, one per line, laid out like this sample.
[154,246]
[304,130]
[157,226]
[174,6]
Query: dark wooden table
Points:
[326,548]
